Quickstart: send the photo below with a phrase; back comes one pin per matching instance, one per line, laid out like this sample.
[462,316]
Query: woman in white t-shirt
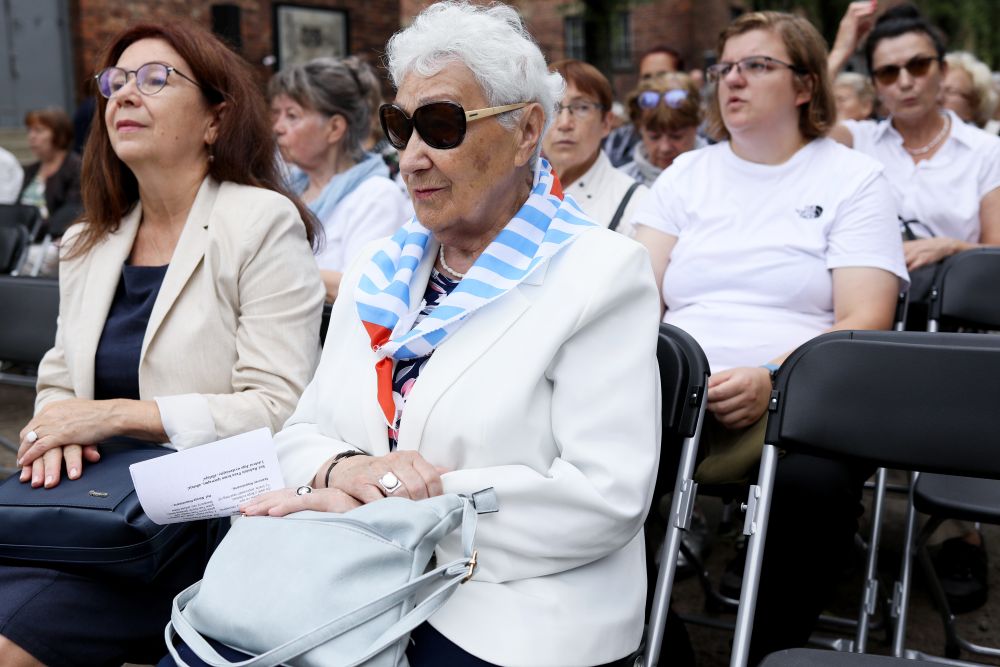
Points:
[321,113]
[945,174]
[760,243]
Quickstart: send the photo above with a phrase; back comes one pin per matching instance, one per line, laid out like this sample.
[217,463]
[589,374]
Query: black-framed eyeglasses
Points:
[441,125]
[916,66]
[149,78]
[649,99]
[751,67]
[580,110]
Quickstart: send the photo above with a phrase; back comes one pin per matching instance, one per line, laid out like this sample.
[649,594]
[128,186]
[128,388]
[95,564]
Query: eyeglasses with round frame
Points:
[752,67]
[150,78]
[580,110]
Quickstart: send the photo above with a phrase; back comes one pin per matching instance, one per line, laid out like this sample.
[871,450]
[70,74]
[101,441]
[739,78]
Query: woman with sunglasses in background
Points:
[667,112]
[945,177]
[189,310]
[464,353]
[760,243]
[573,148]
[945,174]
[321,114]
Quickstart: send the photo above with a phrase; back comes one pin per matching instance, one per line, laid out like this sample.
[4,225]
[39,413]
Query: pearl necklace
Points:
[445,266]
[934,142]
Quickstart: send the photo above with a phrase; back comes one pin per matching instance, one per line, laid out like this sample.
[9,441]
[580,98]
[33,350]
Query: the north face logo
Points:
[810,212]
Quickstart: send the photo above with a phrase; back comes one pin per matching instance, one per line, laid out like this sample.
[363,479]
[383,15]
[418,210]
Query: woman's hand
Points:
[358,476]
[47,469]
[738,397]
[928,251]
[857,22]
[74,421]
[287,501]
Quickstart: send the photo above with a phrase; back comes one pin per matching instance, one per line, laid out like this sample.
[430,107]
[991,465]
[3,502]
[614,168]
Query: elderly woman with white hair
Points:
[967,88]
[470,350]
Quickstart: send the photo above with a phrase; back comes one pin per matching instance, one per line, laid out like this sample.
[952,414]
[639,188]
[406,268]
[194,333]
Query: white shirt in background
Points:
[600,191]
[11,177]
[375,209]
[943,192]
[750,276]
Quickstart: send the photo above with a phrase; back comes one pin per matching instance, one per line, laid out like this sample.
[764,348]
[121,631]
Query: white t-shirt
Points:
[750,276]
[600,191]
[943,192]
[375,209]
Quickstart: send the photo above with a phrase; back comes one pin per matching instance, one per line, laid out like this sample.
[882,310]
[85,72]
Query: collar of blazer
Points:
[105,269]
[472,340]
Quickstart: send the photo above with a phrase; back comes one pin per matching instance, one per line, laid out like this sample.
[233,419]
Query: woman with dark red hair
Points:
[53,183]
[189,311]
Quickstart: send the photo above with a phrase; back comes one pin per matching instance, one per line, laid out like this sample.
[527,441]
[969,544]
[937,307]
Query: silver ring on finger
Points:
[389,483]
[31,437]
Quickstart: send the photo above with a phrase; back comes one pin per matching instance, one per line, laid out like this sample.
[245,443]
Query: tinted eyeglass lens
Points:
[151,78]
[888,74]
[440,124]
[111,80]
[396,126]
[649,99]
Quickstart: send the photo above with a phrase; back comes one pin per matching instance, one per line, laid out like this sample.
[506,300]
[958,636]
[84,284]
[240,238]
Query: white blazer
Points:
[233,337]
[550,395]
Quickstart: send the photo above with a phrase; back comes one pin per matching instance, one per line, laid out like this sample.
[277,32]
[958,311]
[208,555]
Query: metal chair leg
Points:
[901,593]
[869,600]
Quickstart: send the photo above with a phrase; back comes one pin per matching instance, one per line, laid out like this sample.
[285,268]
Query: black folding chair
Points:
[29,217]
[14,243]
[885,398]
[30,308]
[684,376]
[964,295]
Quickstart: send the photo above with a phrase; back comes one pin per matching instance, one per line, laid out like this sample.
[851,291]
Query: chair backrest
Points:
[965,289]
[14,241]
[908,400]
[29,308]
[27,216]
[683,378]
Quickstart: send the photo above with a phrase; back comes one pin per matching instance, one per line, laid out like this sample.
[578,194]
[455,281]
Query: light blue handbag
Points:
[331,590]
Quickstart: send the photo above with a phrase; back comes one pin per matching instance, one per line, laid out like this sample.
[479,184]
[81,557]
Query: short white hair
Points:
[985,102]
[492,42]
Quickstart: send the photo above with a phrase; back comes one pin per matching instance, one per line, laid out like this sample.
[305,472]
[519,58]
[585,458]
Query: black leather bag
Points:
[94,525]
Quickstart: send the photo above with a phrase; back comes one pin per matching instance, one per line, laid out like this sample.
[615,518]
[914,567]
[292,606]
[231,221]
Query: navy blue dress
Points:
[65,619]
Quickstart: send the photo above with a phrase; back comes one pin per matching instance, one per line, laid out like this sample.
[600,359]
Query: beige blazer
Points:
[233,336]
[549,395]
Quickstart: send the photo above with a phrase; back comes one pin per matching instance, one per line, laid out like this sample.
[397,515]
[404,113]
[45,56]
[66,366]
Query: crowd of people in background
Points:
[757,203]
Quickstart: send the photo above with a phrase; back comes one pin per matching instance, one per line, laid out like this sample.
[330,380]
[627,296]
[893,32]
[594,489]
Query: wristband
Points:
[337,459]
[772,370]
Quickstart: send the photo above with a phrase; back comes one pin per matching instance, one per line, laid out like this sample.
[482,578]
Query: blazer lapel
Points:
[476,335]
[188,254]
[104,272]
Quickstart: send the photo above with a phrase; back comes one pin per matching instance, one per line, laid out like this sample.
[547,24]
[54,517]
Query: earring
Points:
[211,155]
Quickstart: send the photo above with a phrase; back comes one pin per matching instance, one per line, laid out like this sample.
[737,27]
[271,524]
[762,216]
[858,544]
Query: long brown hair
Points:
[244,152]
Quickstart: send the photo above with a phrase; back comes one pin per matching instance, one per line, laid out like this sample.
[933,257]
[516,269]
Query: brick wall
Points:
[690,26]
[94,22]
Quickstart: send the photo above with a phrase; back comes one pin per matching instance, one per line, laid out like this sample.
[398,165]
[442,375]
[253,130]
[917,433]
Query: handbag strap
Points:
[613,225]
[452,574]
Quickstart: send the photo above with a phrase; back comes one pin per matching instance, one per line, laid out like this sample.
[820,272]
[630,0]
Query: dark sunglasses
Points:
[649,99]
[916,66]
[440,124]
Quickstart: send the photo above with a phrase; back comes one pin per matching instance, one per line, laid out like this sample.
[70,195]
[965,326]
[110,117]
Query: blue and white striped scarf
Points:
[544,225]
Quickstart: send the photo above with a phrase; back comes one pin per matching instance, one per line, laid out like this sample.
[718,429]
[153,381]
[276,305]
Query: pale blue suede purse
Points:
[331,590]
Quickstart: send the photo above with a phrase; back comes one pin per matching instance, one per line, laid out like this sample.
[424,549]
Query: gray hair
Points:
[985,97]
[346,87]
[859,83]
[492,42]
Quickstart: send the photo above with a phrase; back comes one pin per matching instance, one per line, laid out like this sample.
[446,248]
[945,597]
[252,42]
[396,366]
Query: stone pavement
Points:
[712,646]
